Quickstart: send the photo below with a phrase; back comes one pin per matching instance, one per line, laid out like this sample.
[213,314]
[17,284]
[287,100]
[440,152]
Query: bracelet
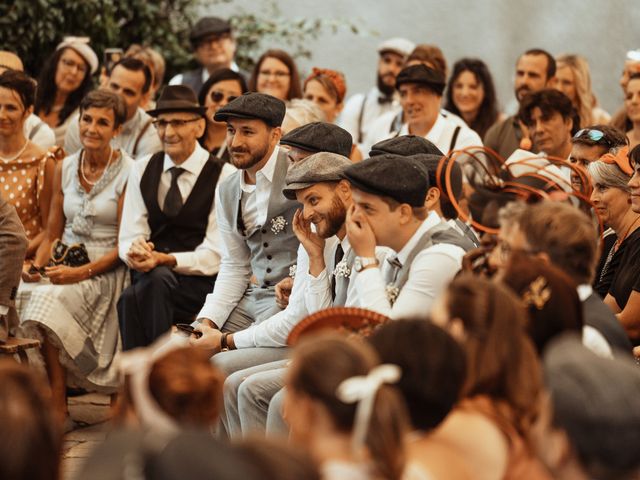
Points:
[224,346]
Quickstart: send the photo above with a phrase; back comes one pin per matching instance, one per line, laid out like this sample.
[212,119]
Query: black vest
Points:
[187,230]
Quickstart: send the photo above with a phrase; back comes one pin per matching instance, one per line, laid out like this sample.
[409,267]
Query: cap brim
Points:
[293,143]
[222,117]
[292,188]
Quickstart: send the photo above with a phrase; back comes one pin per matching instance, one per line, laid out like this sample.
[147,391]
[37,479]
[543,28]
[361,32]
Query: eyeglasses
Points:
[219,96]
[175,124]
[278,73]
[70,64]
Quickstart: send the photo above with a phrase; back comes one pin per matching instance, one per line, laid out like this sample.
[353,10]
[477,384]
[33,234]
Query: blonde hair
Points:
[585,99]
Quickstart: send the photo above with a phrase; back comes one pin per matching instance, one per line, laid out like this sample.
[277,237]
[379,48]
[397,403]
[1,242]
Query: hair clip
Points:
[537,293]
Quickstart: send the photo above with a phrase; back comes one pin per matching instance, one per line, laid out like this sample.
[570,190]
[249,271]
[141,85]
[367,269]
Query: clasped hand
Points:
[142,256]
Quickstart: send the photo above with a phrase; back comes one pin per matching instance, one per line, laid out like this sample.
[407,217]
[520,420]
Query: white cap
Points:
[398,45]
[81,46]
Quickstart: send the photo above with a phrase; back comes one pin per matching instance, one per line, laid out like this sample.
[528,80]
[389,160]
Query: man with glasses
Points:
[131,79]
[168,232]
[213,47]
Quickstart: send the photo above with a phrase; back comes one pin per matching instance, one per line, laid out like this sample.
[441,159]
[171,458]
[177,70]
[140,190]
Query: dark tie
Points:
[337,259]
[397,266]
[173,200]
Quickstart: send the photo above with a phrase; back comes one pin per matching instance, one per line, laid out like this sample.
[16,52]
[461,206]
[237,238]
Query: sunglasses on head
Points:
[219,96]
[591,134]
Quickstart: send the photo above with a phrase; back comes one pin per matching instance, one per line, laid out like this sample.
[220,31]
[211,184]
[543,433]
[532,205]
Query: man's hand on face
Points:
[311,242]
[360,234]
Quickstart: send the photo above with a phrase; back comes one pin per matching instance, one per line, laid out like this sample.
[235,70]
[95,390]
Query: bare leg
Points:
[57,378]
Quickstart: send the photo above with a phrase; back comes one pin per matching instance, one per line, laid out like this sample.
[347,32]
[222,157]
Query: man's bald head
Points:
[10,61]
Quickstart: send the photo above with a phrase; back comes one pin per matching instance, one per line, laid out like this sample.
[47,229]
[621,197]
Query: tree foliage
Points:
[33,28]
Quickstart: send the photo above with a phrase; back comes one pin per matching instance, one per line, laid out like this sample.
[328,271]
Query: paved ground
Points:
[93,410]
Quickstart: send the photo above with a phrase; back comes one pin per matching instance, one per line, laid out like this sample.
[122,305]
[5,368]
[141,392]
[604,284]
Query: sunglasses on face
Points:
[219,96]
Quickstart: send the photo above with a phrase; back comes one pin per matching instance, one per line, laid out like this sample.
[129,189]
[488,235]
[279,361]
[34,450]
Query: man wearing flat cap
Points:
[389,194]
[363,109]
[438,197]
[315,182]
[255,218]
[213,47]
[169,233]
[420,88]
[316,137]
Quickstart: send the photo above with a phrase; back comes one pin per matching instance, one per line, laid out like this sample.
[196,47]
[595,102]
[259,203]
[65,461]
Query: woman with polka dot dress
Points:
[26,171]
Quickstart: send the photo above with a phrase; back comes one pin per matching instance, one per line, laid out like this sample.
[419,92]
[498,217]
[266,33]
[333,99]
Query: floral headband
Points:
[336,78]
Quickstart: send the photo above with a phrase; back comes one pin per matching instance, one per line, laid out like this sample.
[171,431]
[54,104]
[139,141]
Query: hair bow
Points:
[362,390]
[621,159]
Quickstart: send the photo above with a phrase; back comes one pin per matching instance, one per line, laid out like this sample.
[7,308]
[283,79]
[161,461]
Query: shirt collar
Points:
[584,291]
[193,164]
[431,221]
[433,135]
[265,172]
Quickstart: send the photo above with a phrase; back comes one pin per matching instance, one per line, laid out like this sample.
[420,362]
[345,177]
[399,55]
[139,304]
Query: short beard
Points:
[253,160]
[387,90]
[335,218]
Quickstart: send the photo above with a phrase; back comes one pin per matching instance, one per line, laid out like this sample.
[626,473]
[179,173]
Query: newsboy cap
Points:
[177,98]
[431,163]
[422,75]
[253,105]
[320,137]
[397,45]
[405,145]
[316,168]
[401,178]
[208,26]
[596,400]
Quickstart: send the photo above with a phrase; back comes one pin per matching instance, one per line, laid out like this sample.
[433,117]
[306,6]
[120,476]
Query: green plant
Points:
[33,28]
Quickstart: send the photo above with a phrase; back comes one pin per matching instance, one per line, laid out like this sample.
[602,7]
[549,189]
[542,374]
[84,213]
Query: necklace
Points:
[103,170]
[621,239]
[17,155]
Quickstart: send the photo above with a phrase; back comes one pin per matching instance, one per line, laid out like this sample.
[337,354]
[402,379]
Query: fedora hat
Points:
[177,98]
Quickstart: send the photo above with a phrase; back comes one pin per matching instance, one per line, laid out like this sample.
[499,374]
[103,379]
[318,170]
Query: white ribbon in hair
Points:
[362,390]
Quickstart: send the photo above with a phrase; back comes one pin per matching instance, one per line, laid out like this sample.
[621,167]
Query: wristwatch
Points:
[360,263]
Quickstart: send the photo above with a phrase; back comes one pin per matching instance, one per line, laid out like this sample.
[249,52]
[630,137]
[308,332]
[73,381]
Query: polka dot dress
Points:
[21,183]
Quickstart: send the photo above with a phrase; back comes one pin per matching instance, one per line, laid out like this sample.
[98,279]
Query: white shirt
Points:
[591,337]
[255,198]
[372,111]
[431,271]
[440,135]
[148,144]
[235,267]
[177,80]
[205,259]
[44,136]
[274,331]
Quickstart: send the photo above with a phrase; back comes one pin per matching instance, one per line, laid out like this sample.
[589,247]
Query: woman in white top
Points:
[73,308]
[337,405]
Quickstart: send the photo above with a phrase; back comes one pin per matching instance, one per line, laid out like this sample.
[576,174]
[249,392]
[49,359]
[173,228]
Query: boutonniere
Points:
[392,293]
[342,269]
[292,270]
[278,224]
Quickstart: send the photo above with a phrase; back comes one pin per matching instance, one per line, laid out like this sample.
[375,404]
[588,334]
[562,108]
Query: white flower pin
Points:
[392,293]
[292,270]
[342,269]
[278,224]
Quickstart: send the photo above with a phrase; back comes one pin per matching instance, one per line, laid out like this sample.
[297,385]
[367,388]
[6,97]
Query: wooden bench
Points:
[15,345]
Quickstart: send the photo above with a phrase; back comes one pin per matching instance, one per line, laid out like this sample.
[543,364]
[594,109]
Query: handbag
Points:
[74,255]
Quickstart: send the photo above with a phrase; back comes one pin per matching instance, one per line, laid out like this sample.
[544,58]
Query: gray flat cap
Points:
[316,168]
